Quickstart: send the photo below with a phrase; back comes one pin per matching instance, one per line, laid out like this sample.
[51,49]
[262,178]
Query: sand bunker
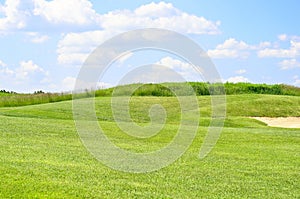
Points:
[284,122]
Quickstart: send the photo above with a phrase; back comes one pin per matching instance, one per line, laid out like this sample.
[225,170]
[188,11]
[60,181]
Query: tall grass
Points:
[6,93]
[248,88]
[31,99]
[202,88]
[10,99]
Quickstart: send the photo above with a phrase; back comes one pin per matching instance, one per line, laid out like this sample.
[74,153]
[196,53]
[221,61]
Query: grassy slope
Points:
[42,155]
[2,94]
[164,89]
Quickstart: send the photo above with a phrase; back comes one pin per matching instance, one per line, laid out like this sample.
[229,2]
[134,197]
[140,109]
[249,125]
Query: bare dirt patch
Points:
[284,122]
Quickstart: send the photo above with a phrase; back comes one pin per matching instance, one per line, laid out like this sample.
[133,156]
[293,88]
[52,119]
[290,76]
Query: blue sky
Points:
[44,43]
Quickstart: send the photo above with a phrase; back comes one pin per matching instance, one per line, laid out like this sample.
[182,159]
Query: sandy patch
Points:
[284,122]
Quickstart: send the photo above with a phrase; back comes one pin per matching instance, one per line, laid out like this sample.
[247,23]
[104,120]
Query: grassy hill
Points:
[11,99]
[249,105]
[5,93]
[42,155]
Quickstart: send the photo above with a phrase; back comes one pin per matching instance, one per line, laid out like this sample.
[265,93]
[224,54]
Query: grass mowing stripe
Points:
[42,156]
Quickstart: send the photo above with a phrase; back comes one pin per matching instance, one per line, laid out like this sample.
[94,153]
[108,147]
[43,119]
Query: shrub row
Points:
[201,88]
[9,99]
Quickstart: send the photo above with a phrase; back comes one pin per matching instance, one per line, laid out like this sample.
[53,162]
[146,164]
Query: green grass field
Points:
[42,155]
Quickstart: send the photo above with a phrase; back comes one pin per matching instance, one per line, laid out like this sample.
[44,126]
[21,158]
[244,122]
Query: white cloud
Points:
[231,48]
[74,48]
[297,82]
[174,63]
[40,14]
[295,38]
[158,15]
[241,71]
[285,37]
[264,44]
[4,70]
[68,84]
[25,78]
[102,85]
[79,12]
[186,70]
[14,18]
[37,38]
[289,55]
[2,63]
[289,64]
[27,68]
[292,52]
[154,10]
[237,79]
[72,59]
[124,57]
[282,37]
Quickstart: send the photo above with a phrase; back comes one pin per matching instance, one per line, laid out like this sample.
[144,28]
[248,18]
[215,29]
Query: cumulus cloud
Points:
[78,16]
[282,37]
[27,76]
[292,52]
[68,84]
[37,38]
[231,48]
[27,68]
[74,48]
[174,63]
[158,15]
[289,64]
[14,18]
[237,79]
[296,80]
[289,55]
[79,12]
[4,70]
[263,44]
[76,21]
[154,10]
[285,37]
[240,72]
[38,15]
[186,70]
[124,57]
[2,63]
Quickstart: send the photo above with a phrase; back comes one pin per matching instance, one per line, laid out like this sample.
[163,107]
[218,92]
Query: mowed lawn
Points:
[42,155]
